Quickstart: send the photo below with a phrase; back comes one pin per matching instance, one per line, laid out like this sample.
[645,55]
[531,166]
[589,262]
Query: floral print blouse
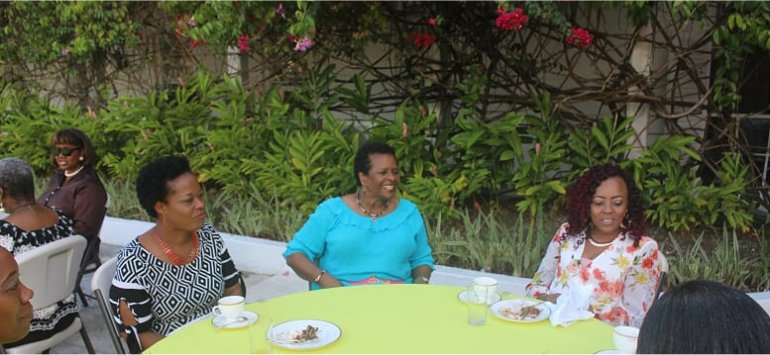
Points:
[625,277]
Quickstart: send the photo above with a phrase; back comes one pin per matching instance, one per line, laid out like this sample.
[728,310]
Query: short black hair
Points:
[362,163]
[152,182]
[705,317]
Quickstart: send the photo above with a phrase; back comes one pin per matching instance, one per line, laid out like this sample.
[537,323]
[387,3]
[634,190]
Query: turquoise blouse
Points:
[352,247]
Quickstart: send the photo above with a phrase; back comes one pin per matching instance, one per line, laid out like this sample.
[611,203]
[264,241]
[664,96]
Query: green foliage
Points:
[41,33]
[723,262]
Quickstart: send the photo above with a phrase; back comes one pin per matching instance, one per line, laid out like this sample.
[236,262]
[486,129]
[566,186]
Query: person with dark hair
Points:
[370,236]
[15,309]
[76,188]
[603,243]
[28,226]
[177,270]
[705,317]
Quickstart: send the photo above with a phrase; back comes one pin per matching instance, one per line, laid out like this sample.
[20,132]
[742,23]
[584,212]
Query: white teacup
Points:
[625,338]
[230,307]
[485,286]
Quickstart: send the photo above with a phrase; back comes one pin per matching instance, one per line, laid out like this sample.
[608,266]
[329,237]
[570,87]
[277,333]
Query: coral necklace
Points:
[172,256]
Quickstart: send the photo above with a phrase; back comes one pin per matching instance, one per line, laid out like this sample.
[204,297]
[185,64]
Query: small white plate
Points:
[610,351]
[221,322]
[502,308]
[281,334]
[463,296]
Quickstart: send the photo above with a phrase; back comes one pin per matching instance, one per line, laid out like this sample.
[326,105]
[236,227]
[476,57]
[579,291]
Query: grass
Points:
[502,242]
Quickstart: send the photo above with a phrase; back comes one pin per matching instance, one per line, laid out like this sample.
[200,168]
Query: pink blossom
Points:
[65,52]
[423,40]
[513,20]
[280,10]
[191,22]
[580,38]
[243,43]
[304,44]
[432,22]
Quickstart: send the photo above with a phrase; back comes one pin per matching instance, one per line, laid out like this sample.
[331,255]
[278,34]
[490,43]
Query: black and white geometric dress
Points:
[162,296]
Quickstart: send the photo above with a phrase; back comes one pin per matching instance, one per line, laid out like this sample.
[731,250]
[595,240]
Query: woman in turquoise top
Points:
[370,236]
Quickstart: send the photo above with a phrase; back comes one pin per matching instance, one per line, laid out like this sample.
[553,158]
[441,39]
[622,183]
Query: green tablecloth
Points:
[391,319]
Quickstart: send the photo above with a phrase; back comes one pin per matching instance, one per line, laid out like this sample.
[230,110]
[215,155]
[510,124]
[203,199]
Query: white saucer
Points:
[610,351]
[463,296]
[220,320]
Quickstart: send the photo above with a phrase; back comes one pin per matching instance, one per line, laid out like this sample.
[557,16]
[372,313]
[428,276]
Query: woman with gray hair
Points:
[29,225]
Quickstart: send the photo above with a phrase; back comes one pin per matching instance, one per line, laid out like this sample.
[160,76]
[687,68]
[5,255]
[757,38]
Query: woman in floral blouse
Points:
[604,244]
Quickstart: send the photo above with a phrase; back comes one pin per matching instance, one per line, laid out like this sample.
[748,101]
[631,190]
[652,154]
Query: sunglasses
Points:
[63,151]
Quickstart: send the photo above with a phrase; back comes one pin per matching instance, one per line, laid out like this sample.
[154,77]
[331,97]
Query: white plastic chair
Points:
[100,286]
[50,271]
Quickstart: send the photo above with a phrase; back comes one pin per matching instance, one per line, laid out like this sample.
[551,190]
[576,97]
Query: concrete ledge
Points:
[265,257]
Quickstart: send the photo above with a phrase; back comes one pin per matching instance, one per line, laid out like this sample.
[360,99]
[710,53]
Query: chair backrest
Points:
[100,285]
[51,270]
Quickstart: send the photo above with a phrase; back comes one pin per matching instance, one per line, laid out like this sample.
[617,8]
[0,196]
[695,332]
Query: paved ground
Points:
[92,317]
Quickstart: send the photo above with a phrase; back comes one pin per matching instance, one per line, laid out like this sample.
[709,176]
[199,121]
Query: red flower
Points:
[423,40]
[195,42]
[598,274]
[432,22]
[647,263]
[580,38]
[631,248]
[510,21]
[243,43]
[584,274]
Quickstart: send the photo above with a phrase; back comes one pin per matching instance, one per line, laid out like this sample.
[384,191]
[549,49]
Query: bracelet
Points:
[318,278]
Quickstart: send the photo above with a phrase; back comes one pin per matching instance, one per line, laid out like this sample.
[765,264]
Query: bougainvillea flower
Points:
[304,44]
[432,22]
[243,43]
[513,20]
[195,42]
[65,52]
[280,10]
[580,38]
[423,40]
[191,22]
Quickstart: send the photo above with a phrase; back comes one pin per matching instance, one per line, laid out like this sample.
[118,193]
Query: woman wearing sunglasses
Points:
[75,188]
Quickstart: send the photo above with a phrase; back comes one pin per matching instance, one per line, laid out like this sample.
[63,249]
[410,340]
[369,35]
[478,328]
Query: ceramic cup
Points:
[477,306]
[625,339]
[230,307]
[486,286]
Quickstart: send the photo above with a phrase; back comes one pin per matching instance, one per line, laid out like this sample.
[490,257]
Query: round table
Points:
[390,319]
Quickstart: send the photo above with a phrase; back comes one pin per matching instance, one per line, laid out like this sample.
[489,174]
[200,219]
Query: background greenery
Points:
[486,144]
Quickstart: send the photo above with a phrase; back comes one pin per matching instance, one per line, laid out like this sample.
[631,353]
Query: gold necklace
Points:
[373,215]
[599,245]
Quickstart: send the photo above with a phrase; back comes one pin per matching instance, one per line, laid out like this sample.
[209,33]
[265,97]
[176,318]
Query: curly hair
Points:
[152,182]
[581,192]
[362,163]
[76,137]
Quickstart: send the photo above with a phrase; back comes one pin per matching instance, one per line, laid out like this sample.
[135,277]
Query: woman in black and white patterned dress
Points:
[176,271]
[28,226]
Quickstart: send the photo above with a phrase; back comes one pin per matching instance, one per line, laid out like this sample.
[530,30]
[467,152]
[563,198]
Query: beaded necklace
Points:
[69,175]
[373,215]
[173,256]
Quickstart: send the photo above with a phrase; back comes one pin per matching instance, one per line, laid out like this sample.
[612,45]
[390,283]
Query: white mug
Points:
[625,338]
[230,307]
[485,286]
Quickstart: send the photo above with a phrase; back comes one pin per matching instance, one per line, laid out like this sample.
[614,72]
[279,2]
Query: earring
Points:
[1,203]
[81,159]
